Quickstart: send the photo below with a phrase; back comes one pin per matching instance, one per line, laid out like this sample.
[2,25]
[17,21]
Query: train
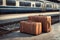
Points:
[15,6]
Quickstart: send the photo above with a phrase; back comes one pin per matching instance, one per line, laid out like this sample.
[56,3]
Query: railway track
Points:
[9,25]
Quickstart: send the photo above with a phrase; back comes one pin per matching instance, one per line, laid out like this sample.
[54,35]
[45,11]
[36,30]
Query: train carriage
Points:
[25,6]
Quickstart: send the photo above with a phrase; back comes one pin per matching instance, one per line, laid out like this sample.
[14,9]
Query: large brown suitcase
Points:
[45,20]
[31,27]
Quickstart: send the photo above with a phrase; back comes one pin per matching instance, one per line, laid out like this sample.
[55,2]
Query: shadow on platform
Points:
[15,35]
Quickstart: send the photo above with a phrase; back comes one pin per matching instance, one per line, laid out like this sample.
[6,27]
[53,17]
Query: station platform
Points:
[10,22]
[12,16]
[53,35]
[17,17]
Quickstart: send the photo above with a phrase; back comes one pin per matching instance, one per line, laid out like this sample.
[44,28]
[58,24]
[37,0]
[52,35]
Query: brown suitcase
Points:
[45,20]
[31,27]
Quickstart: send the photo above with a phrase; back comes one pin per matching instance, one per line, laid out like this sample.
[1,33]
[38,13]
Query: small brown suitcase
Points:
[31,27]
[45,20]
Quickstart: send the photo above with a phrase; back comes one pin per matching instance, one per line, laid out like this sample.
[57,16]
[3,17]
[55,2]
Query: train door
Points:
[39,5]
[55,6]
[49,6]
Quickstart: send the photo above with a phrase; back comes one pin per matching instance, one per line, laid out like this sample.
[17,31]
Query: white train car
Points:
[51,6]
[25,6]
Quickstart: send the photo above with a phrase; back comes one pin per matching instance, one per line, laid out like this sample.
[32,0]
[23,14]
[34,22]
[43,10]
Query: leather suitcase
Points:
[31,27]
[45,20]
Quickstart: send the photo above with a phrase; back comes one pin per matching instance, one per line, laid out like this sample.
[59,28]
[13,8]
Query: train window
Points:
[10,2]
[38,4]
[25,4]
[49,6]
[1,2]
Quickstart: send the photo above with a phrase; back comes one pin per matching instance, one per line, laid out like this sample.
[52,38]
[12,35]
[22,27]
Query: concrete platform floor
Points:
[53,35]
[17,15]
